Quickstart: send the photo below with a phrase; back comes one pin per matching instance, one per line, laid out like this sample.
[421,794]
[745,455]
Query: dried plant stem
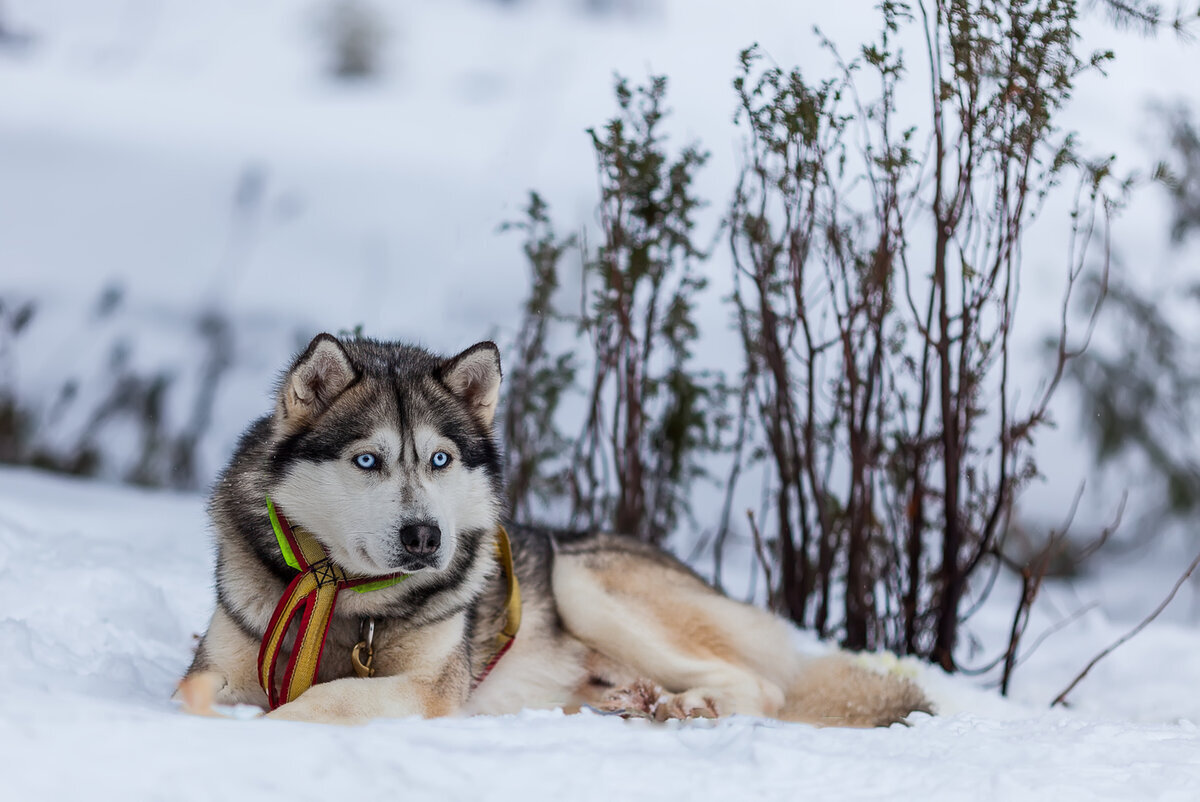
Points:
[1062,697]
[760,551]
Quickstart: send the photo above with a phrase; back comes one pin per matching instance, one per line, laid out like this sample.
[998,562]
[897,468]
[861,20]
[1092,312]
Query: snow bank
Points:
[102,590]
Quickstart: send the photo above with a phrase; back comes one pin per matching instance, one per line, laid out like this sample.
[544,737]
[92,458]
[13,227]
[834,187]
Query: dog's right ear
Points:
[474,376]
[316,378]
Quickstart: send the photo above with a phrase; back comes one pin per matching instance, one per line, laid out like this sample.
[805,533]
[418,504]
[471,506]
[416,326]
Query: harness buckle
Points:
[363,652]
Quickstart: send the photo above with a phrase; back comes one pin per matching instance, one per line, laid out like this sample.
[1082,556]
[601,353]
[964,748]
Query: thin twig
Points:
[760,550]
[1062,697]
[1053,628]
[1058,626]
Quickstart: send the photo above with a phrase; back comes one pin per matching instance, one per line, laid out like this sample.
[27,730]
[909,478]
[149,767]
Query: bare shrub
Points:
[877,271]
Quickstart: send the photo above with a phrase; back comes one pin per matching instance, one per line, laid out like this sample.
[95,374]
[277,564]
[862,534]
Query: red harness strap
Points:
[492,663]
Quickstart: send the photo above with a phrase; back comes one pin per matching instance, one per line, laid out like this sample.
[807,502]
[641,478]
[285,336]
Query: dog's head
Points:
[386,452]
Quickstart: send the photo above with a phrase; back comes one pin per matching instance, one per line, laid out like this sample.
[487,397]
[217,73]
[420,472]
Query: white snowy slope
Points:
[103,588]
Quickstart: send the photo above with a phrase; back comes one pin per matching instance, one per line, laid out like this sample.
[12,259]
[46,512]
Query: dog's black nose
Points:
[421,539]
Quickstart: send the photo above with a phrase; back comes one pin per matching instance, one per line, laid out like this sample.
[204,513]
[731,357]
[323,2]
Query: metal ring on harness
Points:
[365,646]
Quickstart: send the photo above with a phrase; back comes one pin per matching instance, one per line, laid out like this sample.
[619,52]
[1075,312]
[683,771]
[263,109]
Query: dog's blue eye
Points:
[366,461]
[440,459]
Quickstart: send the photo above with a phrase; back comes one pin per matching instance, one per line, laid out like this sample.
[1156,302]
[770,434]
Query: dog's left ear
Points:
[474,376]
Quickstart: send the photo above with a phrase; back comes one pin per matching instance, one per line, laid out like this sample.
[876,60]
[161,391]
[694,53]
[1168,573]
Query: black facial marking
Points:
[475,448]
[323,443]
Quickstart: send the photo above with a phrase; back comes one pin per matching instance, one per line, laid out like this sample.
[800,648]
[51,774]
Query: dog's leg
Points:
[428,691]
[423,672]
[357,701]
[708,652]
[198,692]
[224,670]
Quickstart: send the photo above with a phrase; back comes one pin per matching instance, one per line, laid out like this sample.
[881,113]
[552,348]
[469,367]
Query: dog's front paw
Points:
[336,702]
[295,711]
[316,712]
[198,692]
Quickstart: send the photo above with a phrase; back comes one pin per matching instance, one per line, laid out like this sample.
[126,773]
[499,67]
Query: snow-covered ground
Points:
[103,589]
[198,156]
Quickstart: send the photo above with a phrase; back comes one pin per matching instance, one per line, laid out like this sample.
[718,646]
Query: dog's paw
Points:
[316,707]
[350,701]
[689,704]
[635,700]
[318,713]
[197,693]
[646,699]
[295,712]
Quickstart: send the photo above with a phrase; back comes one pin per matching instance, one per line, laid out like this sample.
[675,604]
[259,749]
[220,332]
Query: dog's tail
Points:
[842,691]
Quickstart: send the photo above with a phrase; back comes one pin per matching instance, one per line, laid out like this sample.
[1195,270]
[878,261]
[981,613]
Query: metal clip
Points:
[363,652]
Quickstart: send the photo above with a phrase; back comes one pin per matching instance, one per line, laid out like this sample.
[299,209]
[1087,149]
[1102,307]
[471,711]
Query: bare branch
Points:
[1061,699]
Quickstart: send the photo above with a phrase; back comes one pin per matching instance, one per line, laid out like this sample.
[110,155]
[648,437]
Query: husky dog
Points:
[386,453]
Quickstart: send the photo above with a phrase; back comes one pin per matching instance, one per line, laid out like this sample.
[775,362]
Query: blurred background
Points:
[190,191]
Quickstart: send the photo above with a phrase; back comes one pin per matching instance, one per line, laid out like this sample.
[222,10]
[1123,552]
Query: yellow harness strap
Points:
[512,607]
[313,593]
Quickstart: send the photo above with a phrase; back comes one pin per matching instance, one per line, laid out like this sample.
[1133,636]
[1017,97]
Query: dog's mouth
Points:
[360,560]
[398,564]
[411,564]
[366,565]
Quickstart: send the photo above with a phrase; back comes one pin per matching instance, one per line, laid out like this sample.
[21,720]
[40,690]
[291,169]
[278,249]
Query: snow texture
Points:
[103,589]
